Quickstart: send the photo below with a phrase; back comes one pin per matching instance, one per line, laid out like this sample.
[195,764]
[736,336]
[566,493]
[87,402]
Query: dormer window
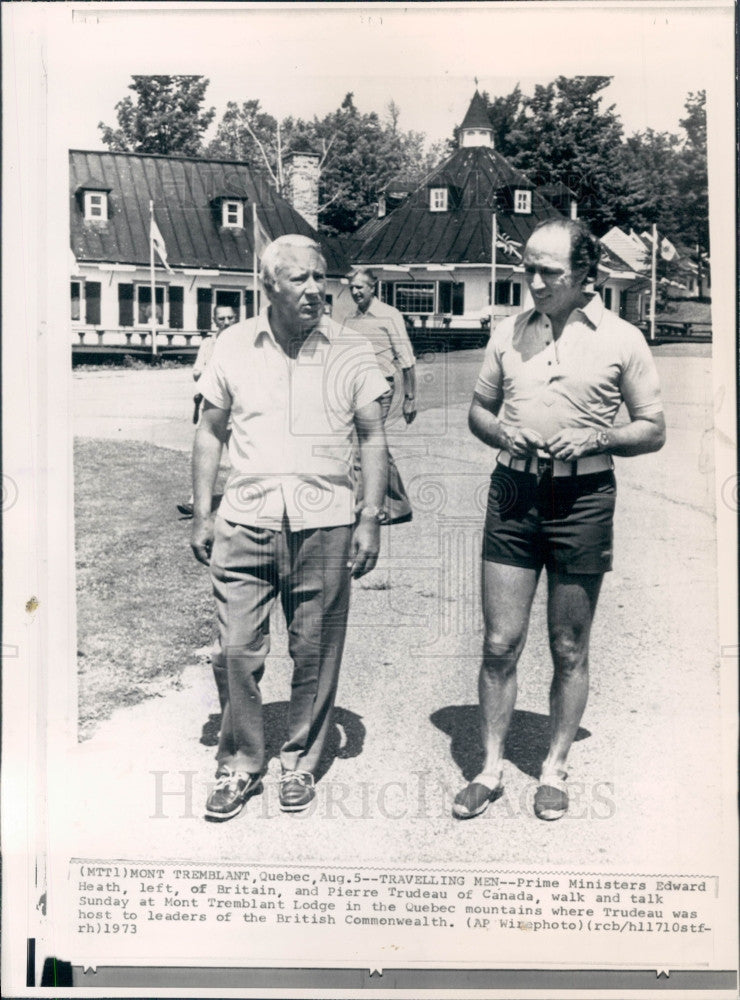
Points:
[96,206]
[438,199]
[522,202]
[232,213]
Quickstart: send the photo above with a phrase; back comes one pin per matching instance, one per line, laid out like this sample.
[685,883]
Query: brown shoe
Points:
[296,791]
[230,793]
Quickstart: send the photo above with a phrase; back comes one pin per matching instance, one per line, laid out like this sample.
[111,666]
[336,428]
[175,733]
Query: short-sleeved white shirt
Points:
[385,329]
[292,421]
[580,380]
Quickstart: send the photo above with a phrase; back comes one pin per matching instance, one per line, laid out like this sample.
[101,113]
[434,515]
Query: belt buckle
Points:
[544,465]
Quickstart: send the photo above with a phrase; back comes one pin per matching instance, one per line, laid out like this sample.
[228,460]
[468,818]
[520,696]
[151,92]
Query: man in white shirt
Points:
[293,386]
[552,381]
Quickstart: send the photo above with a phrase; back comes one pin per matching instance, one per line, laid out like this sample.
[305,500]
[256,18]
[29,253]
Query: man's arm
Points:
[209,440]
[520,442]
[638,437]
[374,461]
[409,393]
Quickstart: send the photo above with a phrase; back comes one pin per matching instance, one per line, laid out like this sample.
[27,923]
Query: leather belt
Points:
[539,465]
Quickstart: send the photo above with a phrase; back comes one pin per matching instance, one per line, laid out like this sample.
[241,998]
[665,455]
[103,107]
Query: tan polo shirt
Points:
[292,421]
[385,329]
[580,380]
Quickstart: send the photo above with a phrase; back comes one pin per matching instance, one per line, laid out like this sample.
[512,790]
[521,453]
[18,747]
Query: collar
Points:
[262,326]
[371,309]
[593,311]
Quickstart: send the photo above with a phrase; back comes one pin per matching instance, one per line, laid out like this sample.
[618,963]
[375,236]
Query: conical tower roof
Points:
[477,115]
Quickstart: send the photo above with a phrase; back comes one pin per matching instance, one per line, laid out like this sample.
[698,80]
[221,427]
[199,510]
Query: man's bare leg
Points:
[571,606]
[507,600]
[508,592]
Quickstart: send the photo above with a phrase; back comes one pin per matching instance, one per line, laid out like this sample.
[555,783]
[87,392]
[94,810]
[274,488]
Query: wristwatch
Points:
[376,513]
[602,440]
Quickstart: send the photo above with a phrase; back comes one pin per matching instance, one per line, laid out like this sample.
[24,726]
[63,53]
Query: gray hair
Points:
[585,249]
[363,272]
[273,255]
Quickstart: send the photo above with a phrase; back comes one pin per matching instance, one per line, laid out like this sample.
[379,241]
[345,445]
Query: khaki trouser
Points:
[250,567]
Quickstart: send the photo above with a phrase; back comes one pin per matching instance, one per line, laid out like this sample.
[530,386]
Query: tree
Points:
[693,186]
[563,135]
[650,167]
[246,133]
[358,154]
[166,117]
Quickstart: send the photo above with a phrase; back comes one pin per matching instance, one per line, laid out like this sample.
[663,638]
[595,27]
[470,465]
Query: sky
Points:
[302,59]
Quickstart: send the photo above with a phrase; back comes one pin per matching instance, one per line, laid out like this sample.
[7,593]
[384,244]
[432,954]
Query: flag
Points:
[667,249]
[158,242]
[508,245]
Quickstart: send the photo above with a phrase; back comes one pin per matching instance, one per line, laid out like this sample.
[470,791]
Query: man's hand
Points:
[201,538]
[365,546]
[409,409]
[572,443]
[521,442]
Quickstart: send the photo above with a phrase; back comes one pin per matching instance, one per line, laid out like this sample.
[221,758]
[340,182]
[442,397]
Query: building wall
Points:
[113,332]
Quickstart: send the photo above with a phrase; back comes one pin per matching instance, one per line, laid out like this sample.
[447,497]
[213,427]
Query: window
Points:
[522,202]
[452,297]
[232,214]
[229,297]
[74,291]
[508,293]
[385,292]
[608,298]
[92,303]
[438,199]
[415,298]
[96,206]
[144,304]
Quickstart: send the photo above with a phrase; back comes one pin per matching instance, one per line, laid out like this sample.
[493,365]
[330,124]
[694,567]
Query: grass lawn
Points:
[143,603]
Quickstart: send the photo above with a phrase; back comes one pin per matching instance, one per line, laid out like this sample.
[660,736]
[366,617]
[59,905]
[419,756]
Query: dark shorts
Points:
[563,523]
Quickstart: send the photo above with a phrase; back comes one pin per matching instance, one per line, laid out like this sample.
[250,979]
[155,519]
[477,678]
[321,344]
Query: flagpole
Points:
[653,281]
[152,285]
[494,241]
[255,262]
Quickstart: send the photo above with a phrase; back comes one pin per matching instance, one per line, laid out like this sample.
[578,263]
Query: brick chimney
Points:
[301,172]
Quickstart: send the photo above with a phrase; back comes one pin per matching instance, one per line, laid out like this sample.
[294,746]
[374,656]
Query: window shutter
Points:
[176,307]
[74,289]
[517,300]
[92,303]
[445,296]
[125,305]
[458,298]
[204,308]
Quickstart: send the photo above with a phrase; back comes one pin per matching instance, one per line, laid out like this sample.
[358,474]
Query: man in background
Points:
[385,329]
[223,317]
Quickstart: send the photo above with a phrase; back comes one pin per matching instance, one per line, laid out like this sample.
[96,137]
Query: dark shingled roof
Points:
[186,193]
[480,178]
[477,114]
